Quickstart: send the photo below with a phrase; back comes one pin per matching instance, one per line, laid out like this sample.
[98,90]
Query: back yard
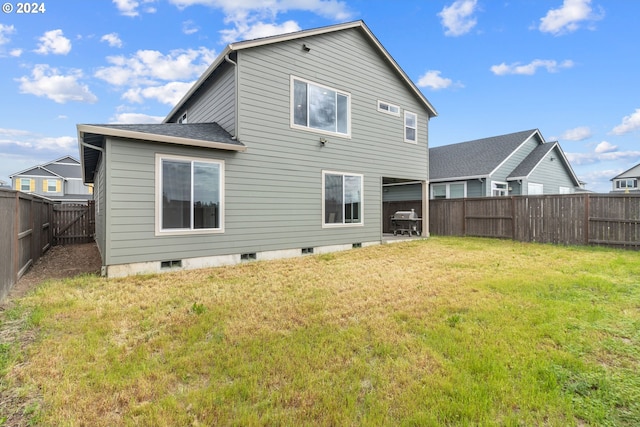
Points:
[445,331]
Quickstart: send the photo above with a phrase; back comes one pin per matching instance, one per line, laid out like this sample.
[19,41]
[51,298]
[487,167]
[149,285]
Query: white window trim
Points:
[493,187]
[448,189]
[388,111]
[535,185]
[564,190]
[22,182]
[634,183]
[158,202]
[411,141]
[314,130]
[55,185]
[344,224]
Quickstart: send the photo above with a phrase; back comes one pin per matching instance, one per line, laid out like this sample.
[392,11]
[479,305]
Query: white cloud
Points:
[54,42]
[629,124]
[458,17]
[170,93]
[15,52]
[130,7]
[550,65]
[189,27]
[568,17]
[433,80]
[605,147]
[48,82]
[113,39]
[576,134]
[6,30]
[607,153]
[148,67]
[135,118]
[257,30]
[30,140]
[256,18]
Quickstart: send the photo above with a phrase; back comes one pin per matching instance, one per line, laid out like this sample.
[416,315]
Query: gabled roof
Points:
[632,172]
[64,167]
[531,162]
[477,158]
[209,135]
[248,44]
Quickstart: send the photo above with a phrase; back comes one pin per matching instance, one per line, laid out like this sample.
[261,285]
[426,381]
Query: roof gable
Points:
[633,172]
[248,44]
[477,158]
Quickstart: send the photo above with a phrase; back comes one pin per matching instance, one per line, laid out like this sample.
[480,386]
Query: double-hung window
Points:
[189,194]
[25,184]
[320,108]
[342,198]
[52,185]
[410,127]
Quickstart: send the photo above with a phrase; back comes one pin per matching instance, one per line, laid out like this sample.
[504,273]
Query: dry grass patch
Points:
[442,331]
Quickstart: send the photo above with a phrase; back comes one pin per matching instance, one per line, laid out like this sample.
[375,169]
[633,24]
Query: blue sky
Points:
[567,67]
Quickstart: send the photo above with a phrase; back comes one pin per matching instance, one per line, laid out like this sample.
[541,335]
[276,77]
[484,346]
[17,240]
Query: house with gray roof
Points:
[520,163]
[281,148]
[59,180]
[627,181]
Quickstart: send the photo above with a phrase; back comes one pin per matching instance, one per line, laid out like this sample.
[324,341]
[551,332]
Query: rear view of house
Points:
[281,148]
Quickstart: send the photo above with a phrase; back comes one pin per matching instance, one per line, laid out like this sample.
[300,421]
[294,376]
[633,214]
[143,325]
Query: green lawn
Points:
[444,331]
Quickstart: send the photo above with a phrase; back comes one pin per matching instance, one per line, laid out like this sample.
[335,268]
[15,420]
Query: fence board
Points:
[576,219]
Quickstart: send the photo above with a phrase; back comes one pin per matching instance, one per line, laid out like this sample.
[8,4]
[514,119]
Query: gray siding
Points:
[634,172]
[402,193]
[512,162]
[100,207]
[273,191]
[475,188]
[75,186]
[214,101]
[551,174]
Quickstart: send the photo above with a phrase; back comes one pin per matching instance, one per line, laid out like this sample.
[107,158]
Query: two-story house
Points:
[59,180]
[627,181]
[280,149]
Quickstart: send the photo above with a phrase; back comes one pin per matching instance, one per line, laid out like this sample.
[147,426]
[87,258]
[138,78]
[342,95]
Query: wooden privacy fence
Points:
[73,223]
[30,225]
[576,219]
[25,234]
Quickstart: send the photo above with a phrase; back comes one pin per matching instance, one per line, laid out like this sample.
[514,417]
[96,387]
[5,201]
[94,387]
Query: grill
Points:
[406,222]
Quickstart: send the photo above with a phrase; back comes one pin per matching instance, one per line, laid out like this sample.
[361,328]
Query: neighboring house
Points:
[519,163]
[59,180]
[281,148]
[627,181]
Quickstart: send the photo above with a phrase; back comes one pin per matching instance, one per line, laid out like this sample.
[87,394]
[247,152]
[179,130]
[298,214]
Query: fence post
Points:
[464,216]
[16,240]
[586,219]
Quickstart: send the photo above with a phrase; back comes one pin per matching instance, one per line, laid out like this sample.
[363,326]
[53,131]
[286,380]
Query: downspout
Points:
[237,100]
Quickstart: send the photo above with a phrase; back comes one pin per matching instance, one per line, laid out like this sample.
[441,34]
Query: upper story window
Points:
[385,107]
[622,184]
[25,184]
[189,194]
[410,127]
[51,185]
[320,108]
